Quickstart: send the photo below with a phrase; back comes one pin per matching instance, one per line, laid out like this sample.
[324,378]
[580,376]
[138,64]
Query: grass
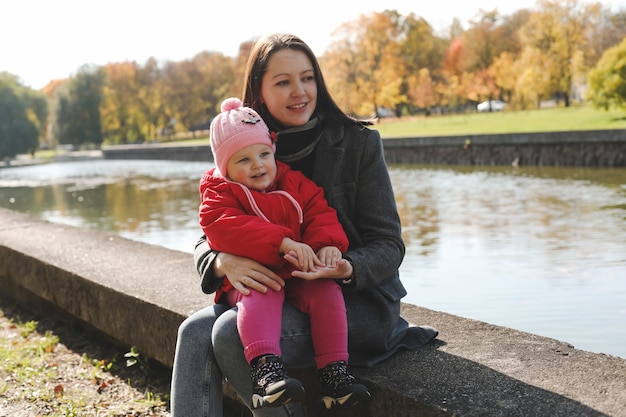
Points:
[541,120]
[580,117]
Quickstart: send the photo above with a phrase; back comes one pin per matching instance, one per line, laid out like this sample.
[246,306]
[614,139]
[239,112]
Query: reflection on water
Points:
[150,201]
[536,249]
[528,248]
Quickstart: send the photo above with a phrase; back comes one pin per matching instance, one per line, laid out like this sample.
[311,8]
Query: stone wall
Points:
[597,148]
[605,148]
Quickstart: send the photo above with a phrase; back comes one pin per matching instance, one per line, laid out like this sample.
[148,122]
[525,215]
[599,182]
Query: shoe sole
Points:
[292,391]
[348,400]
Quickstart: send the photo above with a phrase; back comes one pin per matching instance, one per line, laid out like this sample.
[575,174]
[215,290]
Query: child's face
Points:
[253,166]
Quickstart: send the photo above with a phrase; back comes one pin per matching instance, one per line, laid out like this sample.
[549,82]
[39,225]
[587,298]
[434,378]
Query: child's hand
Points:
[300,255]
[329,255]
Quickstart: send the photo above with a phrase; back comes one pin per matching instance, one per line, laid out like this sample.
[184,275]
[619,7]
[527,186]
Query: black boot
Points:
[339,387]
[271,387]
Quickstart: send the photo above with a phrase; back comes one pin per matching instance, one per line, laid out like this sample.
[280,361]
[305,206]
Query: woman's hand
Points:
[341,271]
[246,274]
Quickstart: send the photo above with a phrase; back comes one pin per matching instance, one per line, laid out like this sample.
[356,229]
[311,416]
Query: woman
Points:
[285,86]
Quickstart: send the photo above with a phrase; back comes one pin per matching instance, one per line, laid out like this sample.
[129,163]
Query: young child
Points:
[257,207]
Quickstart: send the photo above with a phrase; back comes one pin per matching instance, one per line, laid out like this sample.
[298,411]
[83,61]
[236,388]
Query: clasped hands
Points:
[246,274]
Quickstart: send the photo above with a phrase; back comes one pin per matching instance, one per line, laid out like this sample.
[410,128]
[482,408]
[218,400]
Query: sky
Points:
[42,40]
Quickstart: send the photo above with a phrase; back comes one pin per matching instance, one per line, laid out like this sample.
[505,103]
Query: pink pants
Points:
[260,315]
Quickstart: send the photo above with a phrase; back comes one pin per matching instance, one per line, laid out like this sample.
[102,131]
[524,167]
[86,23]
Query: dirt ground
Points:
[52,367]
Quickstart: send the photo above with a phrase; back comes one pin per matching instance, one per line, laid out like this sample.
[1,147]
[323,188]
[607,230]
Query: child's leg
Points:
[322,300]
[259,319]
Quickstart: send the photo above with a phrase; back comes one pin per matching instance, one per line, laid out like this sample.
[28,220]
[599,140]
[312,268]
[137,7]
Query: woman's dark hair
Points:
[257,67]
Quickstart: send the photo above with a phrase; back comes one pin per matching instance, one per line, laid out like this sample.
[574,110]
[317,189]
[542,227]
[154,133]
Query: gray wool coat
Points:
[350,167]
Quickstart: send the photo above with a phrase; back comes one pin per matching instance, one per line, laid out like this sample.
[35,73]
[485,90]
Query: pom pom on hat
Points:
[231,104]
[235,128]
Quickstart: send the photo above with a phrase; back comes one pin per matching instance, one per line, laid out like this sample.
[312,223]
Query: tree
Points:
[181,98]
[486,39]
[533,80]
[419,47]
[151,82]
[339,65]
[503,72]
[78,115]
[604,30]
[422,53]
[421,90]
[22,116]
[607,81]
[53,91]
[481,42]
[558,31]
[364,65]
[122,119]
[218,76]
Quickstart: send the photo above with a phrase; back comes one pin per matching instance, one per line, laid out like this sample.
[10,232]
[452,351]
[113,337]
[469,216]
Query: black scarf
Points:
[295,145]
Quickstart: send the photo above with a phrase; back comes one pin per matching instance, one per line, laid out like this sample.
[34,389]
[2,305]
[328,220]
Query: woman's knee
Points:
[198,327]
[225,334]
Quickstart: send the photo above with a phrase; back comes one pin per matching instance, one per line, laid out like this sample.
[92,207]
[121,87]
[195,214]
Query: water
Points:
[539,250]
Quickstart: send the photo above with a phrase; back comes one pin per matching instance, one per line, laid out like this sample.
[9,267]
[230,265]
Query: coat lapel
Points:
[328,157]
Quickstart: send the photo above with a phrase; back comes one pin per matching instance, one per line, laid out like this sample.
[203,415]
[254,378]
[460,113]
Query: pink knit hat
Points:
[235,128]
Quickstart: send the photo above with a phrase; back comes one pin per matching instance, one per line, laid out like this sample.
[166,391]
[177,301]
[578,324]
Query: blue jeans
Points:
[196,380]
[208,348]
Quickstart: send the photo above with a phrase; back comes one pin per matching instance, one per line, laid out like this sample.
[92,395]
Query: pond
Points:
[541,250]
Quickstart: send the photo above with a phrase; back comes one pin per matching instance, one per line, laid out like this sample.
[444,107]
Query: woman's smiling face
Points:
[288,88]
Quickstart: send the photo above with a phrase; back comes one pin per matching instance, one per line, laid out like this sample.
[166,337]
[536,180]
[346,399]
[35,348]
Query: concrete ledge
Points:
[138,294]
[162,151]
[135,293]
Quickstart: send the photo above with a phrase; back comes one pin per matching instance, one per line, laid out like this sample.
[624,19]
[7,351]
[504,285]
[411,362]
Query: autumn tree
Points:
[419,46]
[482,43]
[451,88]
[452,64]
[422,53]
[557,29]
[503,72]
[340,67]
[421,90]
[508,32]
[218,74]
[144,102]
[533,79]
[604,29]
[122,119]
[181,99]
[364,65]
[239,68]
[53,91]
[607,81]
[503,69]
[151,82]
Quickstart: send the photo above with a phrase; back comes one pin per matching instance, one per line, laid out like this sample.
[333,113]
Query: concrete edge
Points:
[138,294]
